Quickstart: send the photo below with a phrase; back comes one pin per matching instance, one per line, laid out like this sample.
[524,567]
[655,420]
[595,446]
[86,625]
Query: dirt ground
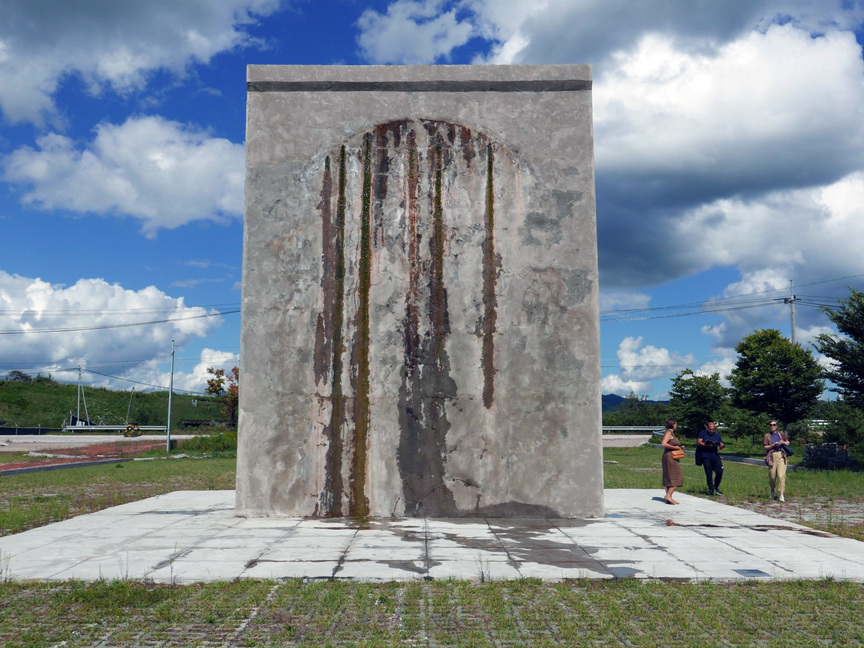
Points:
[823,511]
[79,454]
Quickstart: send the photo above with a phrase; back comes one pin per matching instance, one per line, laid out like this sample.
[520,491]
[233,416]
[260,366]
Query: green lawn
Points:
[442,613]
[35,499]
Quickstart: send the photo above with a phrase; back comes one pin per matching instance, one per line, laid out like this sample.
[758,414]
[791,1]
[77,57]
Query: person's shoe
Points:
[710,493]
[773,496]
[782,499]
[717,491]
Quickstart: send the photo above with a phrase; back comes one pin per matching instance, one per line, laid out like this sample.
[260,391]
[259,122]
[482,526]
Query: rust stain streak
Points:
[324,328]
[440,320]
[412,340]
[333,486]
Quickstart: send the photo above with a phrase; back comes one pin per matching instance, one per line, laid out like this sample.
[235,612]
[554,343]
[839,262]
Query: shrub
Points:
[220,442]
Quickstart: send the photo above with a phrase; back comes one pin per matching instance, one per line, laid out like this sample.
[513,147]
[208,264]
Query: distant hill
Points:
[612,402]
[48,404]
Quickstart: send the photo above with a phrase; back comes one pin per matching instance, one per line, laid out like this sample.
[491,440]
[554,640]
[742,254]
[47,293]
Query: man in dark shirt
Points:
[710,444]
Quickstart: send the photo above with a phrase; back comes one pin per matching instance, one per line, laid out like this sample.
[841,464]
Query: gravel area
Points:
[822,511]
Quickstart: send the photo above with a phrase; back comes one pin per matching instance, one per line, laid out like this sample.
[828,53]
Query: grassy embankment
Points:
[48,403]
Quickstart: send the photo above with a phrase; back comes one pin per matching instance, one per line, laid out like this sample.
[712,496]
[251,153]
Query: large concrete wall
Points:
[420,323]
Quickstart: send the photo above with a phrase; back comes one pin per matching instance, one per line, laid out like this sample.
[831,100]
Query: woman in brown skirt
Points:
[673,476]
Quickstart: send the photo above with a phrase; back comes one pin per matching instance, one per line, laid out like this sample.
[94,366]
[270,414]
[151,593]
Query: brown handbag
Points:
[677,454]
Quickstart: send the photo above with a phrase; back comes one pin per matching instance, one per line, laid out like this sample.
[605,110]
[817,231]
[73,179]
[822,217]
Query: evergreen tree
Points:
[775,377]
[847,349]
[695,400]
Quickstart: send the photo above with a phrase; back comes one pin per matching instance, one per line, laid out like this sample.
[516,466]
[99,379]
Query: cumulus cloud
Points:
[615,384]
[765,97]
[109,44]
[412,32]
[92,324]
[195,380]
[163,173]
[622,300]
[642,363]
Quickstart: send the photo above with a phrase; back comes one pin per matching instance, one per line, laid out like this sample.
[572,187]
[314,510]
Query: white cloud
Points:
[190,381]
[160,172]
[719,365]
[615,384]
[617,300]
[412,32]
[640,365]
[778,98]
[649,362]
[109,43]
[90,320]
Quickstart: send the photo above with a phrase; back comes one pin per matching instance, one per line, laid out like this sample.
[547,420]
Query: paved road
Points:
[43,442]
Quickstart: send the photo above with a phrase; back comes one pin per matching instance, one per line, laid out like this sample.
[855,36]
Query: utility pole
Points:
[791,301]
[170,394]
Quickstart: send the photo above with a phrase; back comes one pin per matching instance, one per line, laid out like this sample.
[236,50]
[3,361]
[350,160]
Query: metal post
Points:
[170,394]
[791,301]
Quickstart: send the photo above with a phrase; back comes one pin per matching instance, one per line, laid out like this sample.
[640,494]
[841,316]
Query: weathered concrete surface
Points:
[420,326]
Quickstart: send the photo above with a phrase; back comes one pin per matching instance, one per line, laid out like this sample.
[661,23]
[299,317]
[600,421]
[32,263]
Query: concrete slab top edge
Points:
[418,73]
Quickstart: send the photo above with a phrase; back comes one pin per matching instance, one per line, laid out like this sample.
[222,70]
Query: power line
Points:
[736,302]
[75,312]
[102,327]
[138,382]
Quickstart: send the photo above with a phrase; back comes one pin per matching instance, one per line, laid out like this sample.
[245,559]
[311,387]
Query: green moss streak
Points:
[440,323]
[334,450]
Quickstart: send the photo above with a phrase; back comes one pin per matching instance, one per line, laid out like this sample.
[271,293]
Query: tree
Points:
[775,377]
[846,426]
[696,400]
[636,410]
[846,350]
[225,386]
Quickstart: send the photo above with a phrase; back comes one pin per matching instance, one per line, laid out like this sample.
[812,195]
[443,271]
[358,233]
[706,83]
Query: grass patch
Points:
[445,613]
[35,499]
[831,492]
[640,468]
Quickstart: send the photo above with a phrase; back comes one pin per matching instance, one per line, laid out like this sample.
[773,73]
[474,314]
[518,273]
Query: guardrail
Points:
[14,430]
[112,428]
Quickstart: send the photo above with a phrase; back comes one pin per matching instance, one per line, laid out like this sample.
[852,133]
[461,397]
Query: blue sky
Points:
[729,145]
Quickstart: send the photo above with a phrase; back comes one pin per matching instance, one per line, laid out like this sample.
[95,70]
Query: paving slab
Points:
[194,536]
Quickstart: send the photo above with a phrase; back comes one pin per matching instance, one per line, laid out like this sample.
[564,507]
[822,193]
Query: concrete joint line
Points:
[513,562]
[598,566]
[344,555]
[427,559]
[251,563]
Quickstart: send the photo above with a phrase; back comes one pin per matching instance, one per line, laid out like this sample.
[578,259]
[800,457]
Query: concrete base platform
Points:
[193,536]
